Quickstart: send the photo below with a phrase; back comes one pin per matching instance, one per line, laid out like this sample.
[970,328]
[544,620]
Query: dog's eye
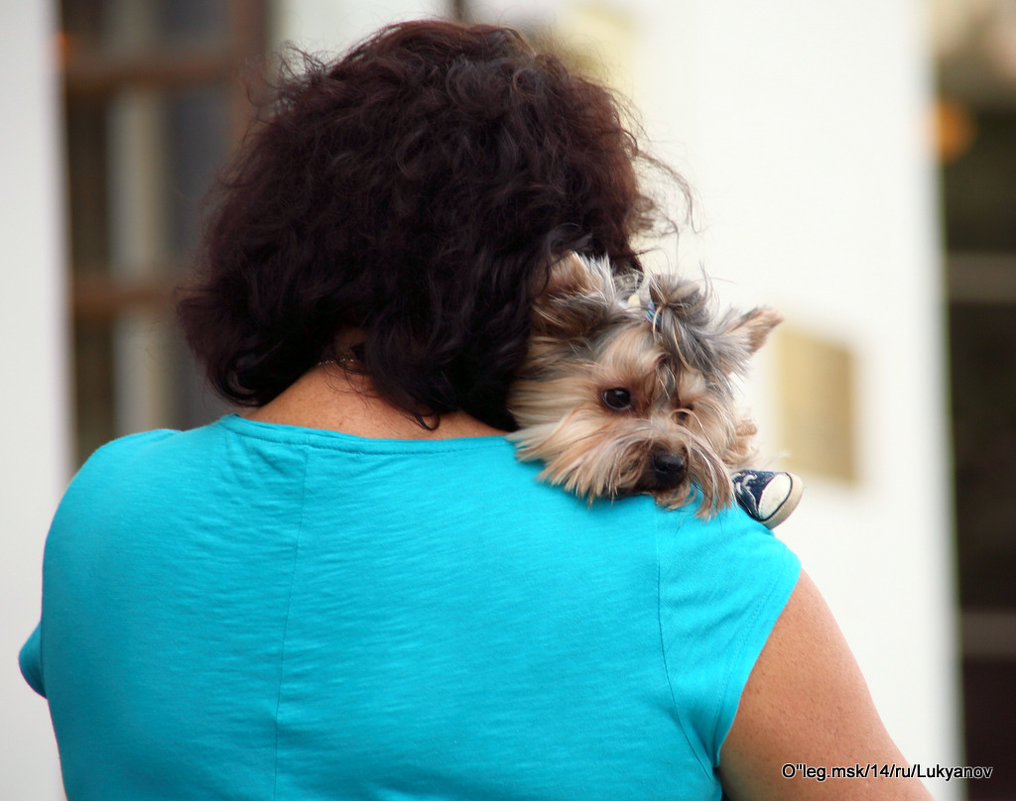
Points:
[617,399]
[684,414]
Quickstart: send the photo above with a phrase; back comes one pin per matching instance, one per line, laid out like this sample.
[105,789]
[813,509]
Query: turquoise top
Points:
[255,611]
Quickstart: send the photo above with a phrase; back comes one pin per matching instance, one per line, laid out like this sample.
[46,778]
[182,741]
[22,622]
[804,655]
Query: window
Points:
[977,84]
[156,95]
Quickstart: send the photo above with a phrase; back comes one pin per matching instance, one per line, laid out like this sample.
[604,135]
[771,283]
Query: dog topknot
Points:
[699,338]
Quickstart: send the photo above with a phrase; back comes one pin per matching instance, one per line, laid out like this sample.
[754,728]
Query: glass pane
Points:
[93,385]
[983,354]
[135,24]
[197,137]
[83,21]
[193,22]
[195,402]
[980,187]
[86,185]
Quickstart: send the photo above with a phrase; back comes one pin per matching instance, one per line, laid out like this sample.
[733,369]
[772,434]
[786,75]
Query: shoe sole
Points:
[789,504]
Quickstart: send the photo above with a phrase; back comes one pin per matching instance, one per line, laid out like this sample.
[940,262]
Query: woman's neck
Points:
[330,398]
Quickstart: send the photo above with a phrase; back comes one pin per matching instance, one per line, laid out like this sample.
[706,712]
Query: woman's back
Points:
[253,610]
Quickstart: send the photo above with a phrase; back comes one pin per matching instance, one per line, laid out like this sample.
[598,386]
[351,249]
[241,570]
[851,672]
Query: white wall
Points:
[333,25]
[803,128]
[34,422]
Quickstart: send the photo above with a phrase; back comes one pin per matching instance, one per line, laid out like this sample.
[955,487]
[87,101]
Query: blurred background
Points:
[853,164]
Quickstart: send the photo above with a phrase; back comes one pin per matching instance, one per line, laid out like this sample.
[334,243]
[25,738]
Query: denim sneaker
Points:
[768,497]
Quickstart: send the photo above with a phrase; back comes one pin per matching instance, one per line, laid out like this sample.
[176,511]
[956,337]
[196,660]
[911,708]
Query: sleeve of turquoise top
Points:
[31,657]
[723,584]
[30,660]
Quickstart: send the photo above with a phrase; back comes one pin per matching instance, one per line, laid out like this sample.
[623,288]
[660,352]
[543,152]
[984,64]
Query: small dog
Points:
[625,393]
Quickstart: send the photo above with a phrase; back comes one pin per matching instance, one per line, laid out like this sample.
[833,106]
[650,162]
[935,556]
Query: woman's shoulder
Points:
[123,451]
[127,462]
[724,581]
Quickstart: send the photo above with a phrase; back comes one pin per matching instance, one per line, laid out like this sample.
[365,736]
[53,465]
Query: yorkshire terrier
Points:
[629,389]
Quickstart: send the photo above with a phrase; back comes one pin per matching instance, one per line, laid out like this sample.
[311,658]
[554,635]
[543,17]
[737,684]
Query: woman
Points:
[355,590]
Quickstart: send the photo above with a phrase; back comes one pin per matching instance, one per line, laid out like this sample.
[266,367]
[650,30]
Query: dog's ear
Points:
[753,328]
[580,296]
[571,275]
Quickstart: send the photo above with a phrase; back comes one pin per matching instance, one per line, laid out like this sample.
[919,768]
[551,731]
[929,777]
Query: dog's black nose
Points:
[668,468]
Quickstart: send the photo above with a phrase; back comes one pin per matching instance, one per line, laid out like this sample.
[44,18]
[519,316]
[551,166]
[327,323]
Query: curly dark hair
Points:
[417,188]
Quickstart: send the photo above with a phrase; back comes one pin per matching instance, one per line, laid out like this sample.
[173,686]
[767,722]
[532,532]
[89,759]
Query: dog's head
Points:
[624,394]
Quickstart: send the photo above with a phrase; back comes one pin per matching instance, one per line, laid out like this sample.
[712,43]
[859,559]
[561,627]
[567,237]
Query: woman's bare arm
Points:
[806,702]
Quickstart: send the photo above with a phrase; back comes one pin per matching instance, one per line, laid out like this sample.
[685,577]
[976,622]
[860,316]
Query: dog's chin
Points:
[705,477]
[591,459]
[708,481]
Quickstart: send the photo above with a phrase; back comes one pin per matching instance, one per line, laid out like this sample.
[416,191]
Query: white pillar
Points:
[34,359]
